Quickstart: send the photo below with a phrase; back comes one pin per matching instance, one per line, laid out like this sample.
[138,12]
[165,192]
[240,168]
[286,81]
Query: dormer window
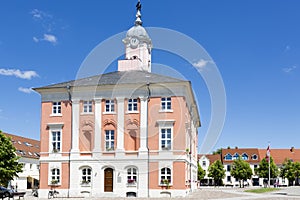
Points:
[236,156]
[245,156]
[228,157]
[254,157]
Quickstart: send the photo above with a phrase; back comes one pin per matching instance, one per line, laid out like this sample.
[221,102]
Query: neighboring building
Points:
[250,155]
[122,133]
[205,160]
[29,152]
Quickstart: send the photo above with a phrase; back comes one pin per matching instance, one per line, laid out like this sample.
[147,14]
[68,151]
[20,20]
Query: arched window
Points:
[245,156]
[131,175]
[254,157]
[86,175]
[165,175]
[228,156]
[236,156]
[55,176]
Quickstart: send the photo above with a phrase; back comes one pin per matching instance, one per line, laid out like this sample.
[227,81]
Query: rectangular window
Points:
[55,176]
[87,106]
[166,140]
[132,104]
[109,140]
[228,178]
[203,163]
[166,103]
[56,108]
[109,106]
[56,141]
[228,168]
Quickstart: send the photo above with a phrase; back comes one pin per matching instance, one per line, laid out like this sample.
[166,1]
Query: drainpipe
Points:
[69,163]
[148,156]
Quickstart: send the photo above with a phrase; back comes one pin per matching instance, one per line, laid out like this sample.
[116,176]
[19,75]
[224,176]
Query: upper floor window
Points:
[235,156]
[132,105]
[109,139]
[131,175]
[86,175]
[228,156]
[55,176]
[165,176]
[228,168]
[166,103]
[56,108]
[204,163]
[87,106]
[254,157]
[109,105]
[244,156]
[56,141]
[166,138]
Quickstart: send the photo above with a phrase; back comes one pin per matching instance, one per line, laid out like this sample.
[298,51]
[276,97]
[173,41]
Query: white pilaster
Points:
[75,126]
[98,125]
[143,124]
[120,131]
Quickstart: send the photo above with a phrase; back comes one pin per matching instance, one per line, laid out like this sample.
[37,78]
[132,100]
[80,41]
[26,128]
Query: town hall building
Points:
[120,134]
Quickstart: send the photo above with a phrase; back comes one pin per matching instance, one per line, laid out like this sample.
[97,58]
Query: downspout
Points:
[148,156]
[69,163]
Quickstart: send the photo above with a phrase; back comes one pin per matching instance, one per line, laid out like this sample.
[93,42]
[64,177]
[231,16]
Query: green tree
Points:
[263,169]
[9,166]
[218,151]
[241,170]
[286,171]
[201,173]
[217,172]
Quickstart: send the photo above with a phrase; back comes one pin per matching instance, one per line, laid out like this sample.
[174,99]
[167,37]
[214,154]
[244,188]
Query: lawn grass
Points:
[262,190]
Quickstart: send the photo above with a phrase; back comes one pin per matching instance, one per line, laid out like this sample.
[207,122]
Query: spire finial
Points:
[138,15]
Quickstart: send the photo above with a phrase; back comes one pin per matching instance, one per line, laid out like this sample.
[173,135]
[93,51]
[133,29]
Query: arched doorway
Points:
[108,180]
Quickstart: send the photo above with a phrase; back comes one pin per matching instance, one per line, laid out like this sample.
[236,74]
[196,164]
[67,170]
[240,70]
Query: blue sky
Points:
[255,45]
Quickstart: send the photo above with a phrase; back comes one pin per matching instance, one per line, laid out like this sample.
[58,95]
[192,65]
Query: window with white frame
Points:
[56,108]
[131,175]
[166,138]
[228,156]
[132,105]
[55,176]
[110,105]
[235,156]
[245,156]
[56,141]
[87,106]
[86,175]
[166,103]
[228,168]
[165,176]
[204,163]
[109,140]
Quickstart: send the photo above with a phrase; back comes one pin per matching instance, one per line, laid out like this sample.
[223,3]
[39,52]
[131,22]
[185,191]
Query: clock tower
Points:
[138,47]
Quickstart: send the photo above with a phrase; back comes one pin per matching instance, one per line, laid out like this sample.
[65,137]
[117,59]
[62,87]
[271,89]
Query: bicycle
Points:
[52,194]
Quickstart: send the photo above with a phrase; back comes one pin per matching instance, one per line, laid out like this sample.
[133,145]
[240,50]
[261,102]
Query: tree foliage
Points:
[290,170]
[217,172]
[9,166]
[263,169]
[201,172]
[241,170]
[218,151]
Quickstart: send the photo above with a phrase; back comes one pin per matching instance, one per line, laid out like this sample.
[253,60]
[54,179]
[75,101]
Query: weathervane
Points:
[138,6]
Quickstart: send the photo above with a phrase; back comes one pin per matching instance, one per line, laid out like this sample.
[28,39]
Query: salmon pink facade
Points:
[120,134]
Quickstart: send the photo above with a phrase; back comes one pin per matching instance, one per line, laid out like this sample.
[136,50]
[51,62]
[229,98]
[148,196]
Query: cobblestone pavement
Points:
[217,193]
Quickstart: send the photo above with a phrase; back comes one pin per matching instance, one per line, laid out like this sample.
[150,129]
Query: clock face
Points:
[134,42]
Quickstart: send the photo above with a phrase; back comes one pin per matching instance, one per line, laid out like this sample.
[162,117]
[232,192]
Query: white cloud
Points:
[35,39]
[289,69]
[50,38]
[25,90]
[39,15]
[18,73]
[201,64]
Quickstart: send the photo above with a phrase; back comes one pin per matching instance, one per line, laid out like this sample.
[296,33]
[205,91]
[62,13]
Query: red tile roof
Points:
[26,147]
[279,155]
[212,158]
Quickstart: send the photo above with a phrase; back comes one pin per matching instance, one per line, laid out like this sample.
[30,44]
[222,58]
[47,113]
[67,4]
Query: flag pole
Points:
[269,165]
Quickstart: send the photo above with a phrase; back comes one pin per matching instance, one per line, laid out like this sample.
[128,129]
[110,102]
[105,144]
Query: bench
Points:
[18,194]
